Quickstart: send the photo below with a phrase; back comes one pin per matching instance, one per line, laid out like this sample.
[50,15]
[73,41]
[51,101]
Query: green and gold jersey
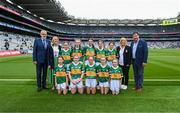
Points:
[61,74]
[78,52]
[111,54]
[90,71]
[115,73]
[66,54]
[89,52]
[76,70]
[100,53]
[103,73]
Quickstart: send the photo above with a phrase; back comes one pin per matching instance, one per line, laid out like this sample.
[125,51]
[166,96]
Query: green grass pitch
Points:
[161,89]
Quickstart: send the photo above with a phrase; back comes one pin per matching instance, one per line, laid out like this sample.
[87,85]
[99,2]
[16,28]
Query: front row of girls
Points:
[107,77]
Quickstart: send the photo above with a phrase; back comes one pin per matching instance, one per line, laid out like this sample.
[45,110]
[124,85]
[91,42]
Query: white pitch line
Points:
[32,80]
[163,80]
[16,80]
[165,65]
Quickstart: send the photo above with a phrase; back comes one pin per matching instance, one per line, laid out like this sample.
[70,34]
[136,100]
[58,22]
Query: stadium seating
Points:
[16,42]
[28,24]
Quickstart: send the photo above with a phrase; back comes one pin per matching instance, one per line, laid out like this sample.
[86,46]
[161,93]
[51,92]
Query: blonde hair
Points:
[77,39]
[115,60]
[123,39]
[54,37]
[103,58]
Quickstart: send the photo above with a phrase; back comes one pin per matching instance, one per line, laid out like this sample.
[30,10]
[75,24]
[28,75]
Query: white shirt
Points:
[56,51]
[121,56]
[134,49]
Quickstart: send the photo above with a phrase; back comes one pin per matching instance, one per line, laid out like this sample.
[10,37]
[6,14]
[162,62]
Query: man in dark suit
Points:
[139,60]
[124,56]
[41,53]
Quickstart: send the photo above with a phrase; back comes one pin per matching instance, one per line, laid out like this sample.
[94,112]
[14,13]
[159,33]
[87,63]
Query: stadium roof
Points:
[114,22]
[53,11]
[47,9]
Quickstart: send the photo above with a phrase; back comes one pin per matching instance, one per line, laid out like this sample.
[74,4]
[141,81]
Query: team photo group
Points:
[84,69]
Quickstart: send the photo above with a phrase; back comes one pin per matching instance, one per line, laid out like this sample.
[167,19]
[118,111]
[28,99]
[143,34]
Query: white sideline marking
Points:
[32,80]
[165,65]
[16,80]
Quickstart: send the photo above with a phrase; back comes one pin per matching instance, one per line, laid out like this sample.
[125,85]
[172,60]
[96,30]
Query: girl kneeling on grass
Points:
[76,75]
[115,75]
[103,74]
[61,77]
[90,71]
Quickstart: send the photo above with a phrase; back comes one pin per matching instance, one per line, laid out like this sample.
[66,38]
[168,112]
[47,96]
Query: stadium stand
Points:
[10,41]
[23,19]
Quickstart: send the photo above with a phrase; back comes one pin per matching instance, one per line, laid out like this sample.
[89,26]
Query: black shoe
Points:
[45,88]
[39,89]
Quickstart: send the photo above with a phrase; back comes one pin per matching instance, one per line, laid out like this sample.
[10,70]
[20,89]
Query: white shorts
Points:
[61,86]
[78,85]
[115,85]
[103,84]
[91,83]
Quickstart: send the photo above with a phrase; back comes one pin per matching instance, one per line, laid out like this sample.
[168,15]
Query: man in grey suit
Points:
[139,60]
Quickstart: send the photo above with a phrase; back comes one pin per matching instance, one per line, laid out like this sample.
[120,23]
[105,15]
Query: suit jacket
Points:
[40,54]
[126,55]
[141,52]
[51,56]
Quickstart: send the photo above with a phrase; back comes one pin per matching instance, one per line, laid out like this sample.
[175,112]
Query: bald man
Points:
[41,52]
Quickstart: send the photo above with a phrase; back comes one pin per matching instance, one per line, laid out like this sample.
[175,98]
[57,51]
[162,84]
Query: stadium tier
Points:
[24,43]
[11,41]
[18,17]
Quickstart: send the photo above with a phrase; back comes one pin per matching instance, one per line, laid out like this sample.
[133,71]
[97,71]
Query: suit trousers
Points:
[138,75]
[41,74]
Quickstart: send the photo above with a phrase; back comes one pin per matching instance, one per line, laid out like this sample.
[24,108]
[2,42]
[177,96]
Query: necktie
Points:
[44,43]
